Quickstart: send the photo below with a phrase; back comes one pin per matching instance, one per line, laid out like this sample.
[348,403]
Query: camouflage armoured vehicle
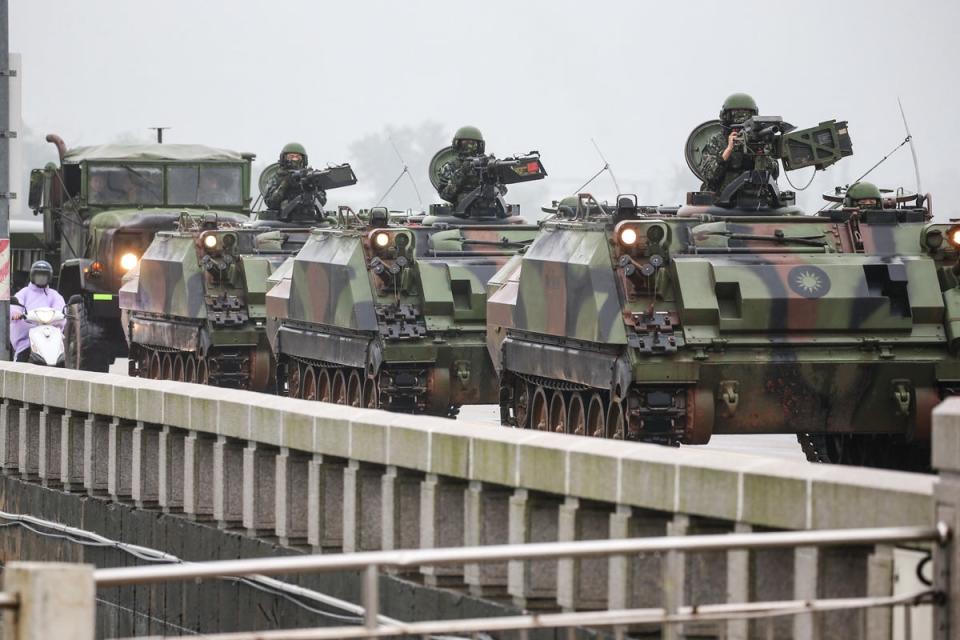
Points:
[842,326]
[381,315]
[101,208]
[194,308]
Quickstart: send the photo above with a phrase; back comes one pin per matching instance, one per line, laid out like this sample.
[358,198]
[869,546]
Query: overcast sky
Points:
[547,75]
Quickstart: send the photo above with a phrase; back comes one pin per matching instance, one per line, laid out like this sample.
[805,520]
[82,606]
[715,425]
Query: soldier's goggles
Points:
[739,116]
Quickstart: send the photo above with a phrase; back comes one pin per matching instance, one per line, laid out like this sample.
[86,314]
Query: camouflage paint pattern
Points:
[781,324]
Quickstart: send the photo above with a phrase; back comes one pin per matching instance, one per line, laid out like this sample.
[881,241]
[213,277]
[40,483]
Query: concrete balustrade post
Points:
[145,487]
[738,585]
[400,523]
[362,506]
[71,451]
[96,445]
[946,493]
[582,582]
[228,482]
[325,496]
[171,444]
[57,600]
[259,489]
[674,576]
[9,434]
[806,575]
[28,459]
[880,579]
[120,460]
[486,510]
[51,422]
[198,475]
[634,582]
[441,525]
[533,517]
[292,494]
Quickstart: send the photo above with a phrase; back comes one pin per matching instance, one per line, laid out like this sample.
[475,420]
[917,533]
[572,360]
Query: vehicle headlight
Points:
[953,235]
[381,240]
[210,241]
[45,316]
[128,261]
[628,236]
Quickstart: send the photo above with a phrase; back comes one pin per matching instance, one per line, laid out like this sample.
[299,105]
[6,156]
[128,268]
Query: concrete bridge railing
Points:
[330,478]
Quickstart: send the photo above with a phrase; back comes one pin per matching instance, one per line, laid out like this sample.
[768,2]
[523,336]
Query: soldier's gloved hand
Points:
[731,140]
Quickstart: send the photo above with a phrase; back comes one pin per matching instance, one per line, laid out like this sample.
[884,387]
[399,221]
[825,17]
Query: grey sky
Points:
[636,76]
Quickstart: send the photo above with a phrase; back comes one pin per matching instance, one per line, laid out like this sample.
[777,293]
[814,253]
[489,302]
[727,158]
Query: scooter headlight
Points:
[45,316]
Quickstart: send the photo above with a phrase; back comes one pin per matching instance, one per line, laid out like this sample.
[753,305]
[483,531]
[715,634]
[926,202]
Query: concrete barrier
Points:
[337,478]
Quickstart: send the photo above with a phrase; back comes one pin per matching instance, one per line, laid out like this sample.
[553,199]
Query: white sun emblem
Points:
[808,281]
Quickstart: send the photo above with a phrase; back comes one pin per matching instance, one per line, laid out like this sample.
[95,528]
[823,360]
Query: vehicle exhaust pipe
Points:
[59,143]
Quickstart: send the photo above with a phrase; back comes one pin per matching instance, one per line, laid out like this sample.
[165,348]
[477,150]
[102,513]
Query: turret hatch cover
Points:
[696,141]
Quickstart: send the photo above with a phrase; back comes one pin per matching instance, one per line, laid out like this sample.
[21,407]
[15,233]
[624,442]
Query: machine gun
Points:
[491,175]
[311,186]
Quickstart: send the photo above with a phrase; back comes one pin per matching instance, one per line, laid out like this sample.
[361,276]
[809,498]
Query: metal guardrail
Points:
[371,563]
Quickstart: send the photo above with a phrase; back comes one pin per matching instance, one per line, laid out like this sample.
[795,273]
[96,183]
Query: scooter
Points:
[46,338]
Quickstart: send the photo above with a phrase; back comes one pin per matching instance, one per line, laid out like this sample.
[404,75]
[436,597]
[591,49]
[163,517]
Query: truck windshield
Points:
[204,185]
[124,184]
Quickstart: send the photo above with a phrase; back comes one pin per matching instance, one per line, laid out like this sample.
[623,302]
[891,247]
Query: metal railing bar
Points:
[503,553]
[9,601]
[701,613]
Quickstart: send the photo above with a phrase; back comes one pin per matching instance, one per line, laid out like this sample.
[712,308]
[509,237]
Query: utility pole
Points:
[5,194]
[159,131]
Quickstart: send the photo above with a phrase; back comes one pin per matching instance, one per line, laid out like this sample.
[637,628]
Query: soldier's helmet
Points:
[41,273]
[864,195]
[737,108]
[292,149]
[567,208]
[468,141]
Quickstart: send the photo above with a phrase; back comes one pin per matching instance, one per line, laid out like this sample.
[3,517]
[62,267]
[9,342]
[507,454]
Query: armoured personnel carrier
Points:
[101,208]
[671,325]
[377,314]
[194,308]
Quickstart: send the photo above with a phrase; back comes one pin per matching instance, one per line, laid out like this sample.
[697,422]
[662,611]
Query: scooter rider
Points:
[38,293]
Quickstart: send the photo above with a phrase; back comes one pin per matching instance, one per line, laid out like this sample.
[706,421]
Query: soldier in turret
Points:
[722,160]
[863,195]
[456,180]
[284,185]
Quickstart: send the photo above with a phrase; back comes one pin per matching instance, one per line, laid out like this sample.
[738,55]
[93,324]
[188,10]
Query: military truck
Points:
[101,208]
[377,314]
[669,326]
[194,307]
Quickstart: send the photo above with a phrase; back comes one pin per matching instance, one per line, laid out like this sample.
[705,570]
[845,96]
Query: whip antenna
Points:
[913,150]
[405,170]
[605,167]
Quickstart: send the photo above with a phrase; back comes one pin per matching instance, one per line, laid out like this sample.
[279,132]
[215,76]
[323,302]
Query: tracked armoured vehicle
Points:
[669,326]
[376,314]
[101,208]
[194,308]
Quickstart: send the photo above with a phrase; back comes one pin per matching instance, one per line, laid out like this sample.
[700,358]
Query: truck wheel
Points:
[86,344]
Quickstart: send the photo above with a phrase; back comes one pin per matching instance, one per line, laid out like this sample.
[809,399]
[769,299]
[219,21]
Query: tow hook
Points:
[901,395]
[463,371]
[730,394]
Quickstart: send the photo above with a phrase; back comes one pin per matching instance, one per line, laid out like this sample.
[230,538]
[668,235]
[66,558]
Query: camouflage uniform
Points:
[717,174]
[455,177]
[284,185]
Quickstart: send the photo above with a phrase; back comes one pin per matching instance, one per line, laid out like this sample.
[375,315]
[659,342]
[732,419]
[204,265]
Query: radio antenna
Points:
[606,167]
[405,170]
[913,149]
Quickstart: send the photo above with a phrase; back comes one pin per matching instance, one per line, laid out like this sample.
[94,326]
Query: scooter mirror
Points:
[75,299]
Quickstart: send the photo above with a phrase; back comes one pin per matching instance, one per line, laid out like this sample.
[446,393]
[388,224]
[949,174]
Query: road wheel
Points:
[309,391]
[155,366]
[371,394]
[178,367]
[596,417]
[576,415]
[190,369]
[539,410]
[166,370]
[338,390]
[558,412]
[203,371]
[521,404]
[87,344]
[323,384]
[355,389]
[615,426]
[294,379]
